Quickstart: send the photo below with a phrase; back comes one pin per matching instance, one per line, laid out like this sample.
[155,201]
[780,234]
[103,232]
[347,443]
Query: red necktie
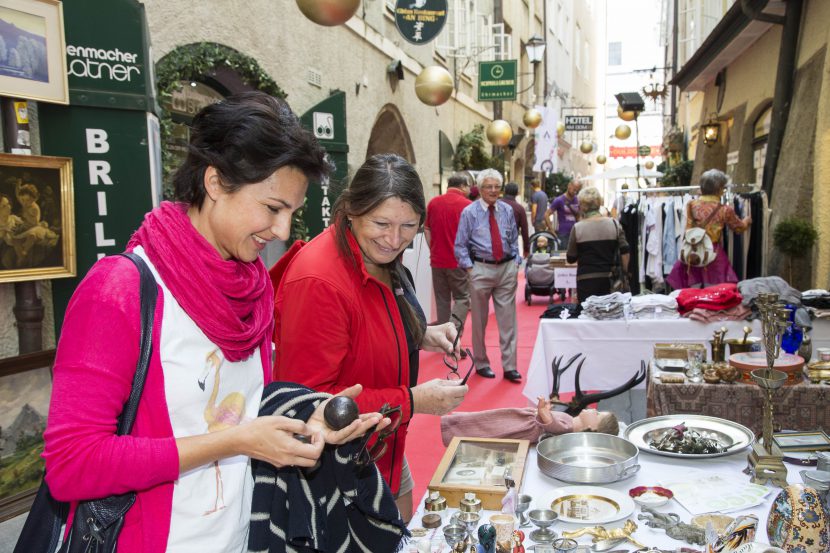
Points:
[495,235]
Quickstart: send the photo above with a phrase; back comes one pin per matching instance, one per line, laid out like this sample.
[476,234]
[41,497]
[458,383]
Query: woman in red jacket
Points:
[346,311]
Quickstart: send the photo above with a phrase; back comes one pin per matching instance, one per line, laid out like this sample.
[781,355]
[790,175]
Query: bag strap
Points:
[710,217]
[148,296]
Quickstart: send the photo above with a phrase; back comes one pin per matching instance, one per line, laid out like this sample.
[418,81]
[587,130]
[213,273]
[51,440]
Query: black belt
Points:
[491,262]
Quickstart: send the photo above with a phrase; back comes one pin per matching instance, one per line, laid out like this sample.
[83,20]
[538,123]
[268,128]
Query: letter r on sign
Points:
[99,171]
[96,141]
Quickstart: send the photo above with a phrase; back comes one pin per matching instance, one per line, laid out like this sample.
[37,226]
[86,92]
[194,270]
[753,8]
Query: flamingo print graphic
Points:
[228,413]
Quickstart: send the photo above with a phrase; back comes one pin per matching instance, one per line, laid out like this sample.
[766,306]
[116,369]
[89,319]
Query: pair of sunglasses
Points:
[366,455]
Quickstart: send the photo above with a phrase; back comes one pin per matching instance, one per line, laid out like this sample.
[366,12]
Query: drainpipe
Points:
[674,60]
[784,84]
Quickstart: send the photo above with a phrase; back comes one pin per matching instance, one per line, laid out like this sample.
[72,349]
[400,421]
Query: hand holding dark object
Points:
[340,412]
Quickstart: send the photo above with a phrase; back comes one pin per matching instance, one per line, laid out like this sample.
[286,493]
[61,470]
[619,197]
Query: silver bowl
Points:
[587,458]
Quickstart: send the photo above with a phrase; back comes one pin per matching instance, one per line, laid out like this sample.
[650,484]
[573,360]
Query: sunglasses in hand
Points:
[366,454]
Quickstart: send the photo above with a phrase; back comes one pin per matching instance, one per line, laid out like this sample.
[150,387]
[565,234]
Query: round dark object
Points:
[340,411]
[431,520]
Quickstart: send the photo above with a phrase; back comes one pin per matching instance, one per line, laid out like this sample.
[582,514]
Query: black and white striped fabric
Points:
[334,507]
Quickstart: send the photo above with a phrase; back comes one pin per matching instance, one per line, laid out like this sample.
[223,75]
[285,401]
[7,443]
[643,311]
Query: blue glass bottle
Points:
[792,337]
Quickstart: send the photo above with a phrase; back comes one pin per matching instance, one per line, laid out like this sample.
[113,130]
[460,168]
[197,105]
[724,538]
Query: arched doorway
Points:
[390,135]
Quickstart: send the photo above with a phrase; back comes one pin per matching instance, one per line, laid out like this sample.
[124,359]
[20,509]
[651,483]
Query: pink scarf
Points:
[232,301]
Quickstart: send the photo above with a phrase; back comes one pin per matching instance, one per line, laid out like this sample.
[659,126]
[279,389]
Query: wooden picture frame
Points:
[37,218]
[802,441]
[33,65]
[478,465]
[25,390]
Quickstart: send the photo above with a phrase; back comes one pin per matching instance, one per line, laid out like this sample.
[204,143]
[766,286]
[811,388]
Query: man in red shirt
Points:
[448,281]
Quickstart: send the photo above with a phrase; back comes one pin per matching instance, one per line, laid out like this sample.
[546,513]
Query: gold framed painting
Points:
[37,218]
[802,441]
[25,390]
[33,57]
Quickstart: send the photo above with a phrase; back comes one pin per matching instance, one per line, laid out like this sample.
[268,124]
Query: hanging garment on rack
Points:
[736,250]
[630,222]
[669,239]
[755,254]
[654,240]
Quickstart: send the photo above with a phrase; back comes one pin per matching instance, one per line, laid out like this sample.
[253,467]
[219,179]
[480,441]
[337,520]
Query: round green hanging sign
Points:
[420,21]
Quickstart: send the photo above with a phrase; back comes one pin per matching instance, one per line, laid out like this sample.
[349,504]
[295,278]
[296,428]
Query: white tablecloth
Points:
[654,470]
[614,349]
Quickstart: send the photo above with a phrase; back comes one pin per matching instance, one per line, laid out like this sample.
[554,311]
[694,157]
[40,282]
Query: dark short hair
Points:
[457,180]
[246,137]
[511,189]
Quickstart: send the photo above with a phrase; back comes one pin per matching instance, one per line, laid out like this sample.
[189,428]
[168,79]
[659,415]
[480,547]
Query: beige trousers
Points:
[497,282]
[452,294]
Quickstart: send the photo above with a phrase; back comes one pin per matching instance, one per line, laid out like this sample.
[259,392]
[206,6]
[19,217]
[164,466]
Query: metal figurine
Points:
[674,528]
[766,461]
[580,400]
[600,533]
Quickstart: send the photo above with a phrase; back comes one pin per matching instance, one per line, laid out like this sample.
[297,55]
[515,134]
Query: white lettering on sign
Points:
[102,204]
[325,211]
[99,170]
[100,241]
[96,141]
[98,63]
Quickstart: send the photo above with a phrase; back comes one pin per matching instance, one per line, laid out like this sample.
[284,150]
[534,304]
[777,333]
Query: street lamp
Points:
[711,130]
[631,101]
[535,49]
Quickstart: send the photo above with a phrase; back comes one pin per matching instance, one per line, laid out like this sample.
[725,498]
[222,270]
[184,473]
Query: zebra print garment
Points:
[333,507]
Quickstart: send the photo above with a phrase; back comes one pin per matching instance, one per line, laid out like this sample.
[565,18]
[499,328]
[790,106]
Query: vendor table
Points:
[615,348]
[654,470]
[803,406]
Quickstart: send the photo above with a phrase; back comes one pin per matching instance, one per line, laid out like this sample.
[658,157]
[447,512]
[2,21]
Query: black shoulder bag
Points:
[97,523]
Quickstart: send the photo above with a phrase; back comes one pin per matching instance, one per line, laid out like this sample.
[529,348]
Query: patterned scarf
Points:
[232,301]
[333,507]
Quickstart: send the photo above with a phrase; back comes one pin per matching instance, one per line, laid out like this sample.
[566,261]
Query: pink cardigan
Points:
[93,372]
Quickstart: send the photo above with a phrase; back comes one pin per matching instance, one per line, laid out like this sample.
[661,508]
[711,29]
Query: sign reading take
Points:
[496,81]
[579,122]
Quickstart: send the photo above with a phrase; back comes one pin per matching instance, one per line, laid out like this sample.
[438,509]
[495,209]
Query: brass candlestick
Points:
[766,461]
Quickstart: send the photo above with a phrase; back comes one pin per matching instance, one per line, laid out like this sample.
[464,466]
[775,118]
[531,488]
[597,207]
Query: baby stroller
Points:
[538,272]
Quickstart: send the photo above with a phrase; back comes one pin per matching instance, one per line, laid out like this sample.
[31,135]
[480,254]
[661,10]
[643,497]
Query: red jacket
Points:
[337,326]
[443,214]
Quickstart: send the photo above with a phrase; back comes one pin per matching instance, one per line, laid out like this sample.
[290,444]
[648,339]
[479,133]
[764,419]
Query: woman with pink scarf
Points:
[196,429]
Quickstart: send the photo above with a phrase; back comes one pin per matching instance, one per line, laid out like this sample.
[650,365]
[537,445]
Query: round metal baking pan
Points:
[587,458]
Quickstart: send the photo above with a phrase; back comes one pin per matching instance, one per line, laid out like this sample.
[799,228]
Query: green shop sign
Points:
[497,81]
[108,130]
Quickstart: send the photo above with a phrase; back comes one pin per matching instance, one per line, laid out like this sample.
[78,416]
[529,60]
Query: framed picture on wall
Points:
[33,51]
[25,388]
[37,218]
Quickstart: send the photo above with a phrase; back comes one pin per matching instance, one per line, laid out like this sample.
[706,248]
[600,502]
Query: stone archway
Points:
[390,135]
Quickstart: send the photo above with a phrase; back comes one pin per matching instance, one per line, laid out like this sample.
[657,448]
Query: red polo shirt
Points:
[443,214]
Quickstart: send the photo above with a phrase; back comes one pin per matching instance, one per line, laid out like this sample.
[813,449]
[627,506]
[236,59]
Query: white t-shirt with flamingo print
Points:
[205,393]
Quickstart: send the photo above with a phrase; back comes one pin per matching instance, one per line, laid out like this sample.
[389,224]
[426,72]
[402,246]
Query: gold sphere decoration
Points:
[626,115]
[532,118]
[601,159]
[560,129]
[499,132]
[649,165]
[586,147]
[433,85]
[622,132]
[328,12]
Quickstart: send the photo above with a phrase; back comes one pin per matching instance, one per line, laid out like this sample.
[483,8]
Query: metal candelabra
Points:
[766,461]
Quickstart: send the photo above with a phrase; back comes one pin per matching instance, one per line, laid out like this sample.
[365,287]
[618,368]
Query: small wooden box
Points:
[479,465]
[675,351]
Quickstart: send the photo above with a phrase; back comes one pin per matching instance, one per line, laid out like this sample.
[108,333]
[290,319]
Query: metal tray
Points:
[587,458]
[736,436]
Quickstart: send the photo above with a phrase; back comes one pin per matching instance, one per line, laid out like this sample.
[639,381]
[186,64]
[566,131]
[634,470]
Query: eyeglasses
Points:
[451,359]
[365,455]
[490,188]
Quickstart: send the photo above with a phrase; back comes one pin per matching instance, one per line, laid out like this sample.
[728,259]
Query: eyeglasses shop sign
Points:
[420,21]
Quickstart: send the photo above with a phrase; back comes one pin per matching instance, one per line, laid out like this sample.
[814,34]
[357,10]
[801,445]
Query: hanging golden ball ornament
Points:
[560,129]
[586,147]
[328,12]
[626,115]
[433,85]
[622,132]
[649,165]
[601,159]
[532,118]
[499,132]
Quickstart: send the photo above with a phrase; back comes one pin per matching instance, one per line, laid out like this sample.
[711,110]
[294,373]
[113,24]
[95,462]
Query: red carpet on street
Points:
[423,445]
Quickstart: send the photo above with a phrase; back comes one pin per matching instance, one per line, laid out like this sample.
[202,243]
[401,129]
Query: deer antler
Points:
[580,401]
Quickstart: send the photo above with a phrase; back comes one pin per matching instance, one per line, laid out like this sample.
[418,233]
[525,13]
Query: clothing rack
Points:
[660,189]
